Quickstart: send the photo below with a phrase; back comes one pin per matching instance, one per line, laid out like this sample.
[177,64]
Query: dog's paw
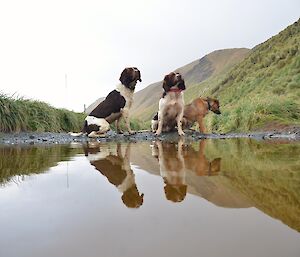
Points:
[120,132]
[132,132]
[181,133]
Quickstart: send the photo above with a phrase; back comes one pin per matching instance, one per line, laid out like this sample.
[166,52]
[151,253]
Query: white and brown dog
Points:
[171,105]
[172,169]
[114,107]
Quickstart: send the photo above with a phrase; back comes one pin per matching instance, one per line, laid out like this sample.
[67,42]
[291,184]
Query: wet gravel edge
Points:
[32,138]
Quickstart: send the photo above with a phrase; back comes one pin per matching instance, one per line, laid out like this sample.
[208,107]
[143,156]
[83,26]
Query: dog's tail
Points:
[74,134]
[83,131]
[154,123]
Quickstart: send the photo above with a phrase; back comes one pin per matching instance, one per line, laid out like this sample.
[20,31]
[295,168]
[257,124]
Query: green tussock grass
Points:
[18,114]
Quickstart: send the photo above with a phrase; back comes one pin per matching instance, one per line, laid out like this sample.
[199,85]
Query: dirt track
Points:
[64,138]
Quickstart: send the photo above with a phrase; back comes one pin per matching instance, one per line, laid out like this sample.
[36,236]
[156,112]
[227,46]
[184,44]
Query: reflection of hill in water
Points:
[266,176]
[30,160]
[216,190]
[269,175]
[213,188]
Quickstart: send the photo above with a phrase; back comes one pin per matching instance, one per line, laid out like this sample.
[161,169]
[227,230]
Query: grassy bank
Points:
[262,90]
[17,114]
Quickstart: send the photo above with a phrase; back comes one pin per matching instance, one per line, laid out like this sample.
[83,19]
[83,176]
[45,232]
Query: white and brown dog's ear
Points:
[167,82]
[125,77]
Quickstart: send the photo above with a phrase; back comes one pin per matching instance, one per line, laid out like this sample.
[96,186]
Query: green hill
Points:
[261,92]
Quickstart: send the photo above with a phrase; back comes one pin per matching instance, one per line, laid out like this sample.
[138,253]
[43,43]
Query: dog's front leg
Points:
[119,131]
[127,157]
[160,152]
[127,121]
[179,123]
[160,115]
[119,151]
[160,122]
[201,125]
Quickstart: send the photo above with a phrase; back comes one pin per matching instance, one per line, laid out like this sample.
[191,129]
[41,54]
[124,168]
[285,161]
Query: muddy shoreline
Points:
[32,138]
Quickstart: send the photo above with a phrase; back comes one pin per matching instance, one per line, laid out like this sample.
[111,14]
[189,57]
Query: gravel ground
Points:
[64,138]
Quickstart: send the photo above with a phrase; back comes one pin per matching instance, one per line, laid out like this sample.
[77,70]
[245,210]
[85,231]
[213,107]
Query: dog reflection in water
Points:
[171,164]
[110,162]
[196,161]
[176,161]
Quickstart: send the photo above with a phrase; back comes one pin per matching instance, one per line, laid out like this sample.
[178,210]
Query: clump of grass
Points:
[18,114]
[12,115]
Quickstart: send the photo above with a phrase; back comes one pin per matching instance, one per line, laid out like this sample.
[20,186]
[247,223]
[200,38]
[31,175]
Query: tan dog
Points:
[196,161]
[197,110]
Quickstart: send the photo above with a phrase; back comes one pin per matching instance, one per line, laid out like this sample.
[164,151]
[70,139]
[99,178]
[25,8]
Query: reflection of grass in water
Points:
[268,174]
[30,160]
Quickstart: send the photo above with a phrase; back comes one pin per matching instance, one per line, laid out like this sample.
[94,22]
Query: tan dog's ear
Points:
[215,166]
[166,83]
[125,77]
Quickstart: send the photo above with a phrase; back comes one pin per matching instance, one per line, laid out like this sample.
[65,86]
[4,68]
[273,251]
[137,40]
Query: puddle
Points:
[235,197]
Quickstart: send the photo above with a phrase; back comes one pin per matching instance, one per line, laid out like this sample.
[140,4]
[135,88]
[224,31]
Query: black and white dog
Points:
[171,105]
[111,161]
[114,107]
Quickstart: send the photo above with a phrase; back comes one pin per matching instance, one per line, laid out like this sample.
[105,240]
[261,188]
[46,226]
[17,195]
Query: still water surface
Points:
[209,198]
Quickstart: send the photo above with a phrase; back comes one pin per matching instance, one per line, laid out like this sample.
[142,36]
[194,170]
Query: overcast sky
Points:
[92,41]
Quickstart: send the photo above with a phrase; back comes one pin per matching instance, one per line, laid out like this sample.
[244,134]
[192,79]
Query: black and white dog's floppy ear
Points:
[125,77]
[166,83]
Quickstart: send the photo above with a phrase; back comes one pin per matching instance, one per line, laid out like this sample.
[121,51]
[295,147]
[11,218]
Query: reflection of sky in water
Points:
[72,210]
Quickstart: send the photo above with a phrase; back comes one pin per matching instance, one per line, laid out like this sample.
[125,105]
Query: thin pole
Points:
[66,86]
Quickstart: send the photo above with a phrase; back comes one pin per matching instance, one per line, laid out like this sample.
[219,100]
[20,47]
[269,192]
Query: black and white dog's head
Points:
[130,76]
[173,82]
